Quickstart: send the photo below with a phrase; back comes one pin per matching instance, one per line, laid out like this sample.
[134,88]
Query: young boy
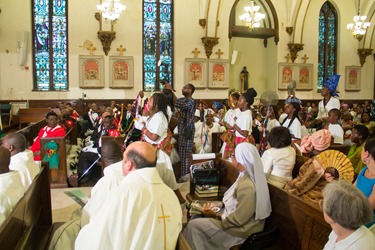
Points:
[358,138]
[334,127]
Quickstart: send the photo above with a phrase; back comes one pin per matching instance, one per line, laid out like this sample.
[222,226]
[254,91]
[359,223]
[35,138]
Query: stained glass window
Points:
[157,43]
[327,42]
[50,53]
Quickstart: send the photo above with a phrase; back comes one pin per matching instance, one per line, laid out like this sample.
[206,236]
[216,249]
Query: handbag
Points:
[208,176]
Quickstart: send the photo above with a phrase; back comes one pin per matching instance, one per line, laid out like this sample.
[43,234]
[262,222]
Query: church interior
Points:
[81,57]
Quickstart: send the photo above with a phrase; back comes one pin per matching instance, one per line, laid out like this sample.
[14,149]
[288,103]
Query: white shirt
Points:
[113,177]
[333,103]
[304,131]
[244,121]
[132,216]
[24,163]
[279,161]
[157,124]
[294,128]
[282,117]
[203,137]
[362,238]
[271,123]
[11,191]
[337,133]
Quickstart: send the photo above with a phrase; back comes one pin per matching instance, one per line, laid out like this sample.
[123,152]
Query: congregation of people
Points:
[136,202]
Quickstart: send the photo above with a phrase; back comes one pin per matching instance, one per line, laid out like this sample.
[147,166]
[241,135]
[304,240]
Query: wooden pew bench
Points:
[59,178]
[29,225]
[300,224]
[32,115]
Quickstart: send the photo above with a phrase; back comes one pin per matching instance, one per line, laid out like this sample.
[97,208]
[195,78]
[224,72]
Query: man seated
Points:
[21,158]
[11,189]
[91,119]
[53,129]
[142,213]
[67,120]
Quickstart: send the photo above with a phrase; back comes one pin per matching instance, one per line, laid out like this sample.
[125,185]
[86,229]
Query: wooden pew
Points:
[300,224]
[32,115]
[58,176]
[28,225]
[31,131]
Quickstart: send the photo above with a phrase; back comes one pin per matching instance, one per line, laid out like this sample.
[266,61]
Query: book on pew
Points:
[78,196]
[196,207]
[206,191]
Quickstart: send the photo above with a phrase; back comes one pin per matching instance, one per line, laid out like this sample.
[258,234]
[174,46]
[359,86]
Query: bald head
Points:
[138,155]
[4,160]
[15,143]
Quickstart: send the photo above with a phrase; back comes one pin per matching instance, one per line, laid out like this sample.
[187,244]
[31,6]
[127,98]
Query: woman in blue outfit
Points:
[366,178]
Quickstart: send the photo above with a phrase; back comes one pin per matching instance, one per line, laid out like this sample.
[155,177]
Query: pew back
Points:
[32,115]
[58,177]
[30,217]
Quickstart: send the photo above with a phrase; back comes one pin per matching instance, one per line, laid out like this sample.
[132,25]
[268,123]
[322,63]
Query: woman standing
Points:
[243,125]
[247,205]
[156,127]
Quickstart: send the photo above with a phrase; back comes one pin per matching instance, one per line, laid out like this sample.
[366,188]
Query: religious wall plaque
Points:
[353,78]
[218,73]
[121,72]
[196,72]
[302,73]
[91,72]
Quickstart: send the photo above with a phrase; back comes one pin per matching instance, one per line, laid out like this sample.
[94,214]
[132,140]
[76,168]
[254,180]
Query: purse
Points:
[208,176]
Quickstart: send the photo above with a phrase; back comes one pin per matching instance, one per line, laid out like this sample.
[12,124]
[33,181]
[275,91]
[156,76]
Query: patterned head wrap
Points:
[331,84]
[217,105]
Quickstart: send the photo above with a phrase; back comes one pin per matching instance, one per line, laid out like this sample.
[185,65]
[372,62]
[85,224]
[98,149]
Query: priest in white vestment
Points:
[22,159]
[11,189]
[142,213]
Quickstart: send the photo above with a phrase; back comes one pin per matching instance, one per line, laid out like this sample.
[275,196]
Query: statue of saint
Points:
[244,76]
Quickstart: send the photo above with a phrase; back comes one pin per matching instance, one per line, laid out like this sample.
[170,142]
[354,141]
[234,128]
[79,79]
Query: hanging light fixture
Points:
[111,9]
[252,16]
[359,27]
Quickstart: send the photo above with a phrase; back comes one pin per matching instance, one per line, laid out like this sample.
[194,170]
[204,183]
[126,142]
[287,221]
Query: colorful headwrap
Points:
[218,105]
[331,84]
[320,140]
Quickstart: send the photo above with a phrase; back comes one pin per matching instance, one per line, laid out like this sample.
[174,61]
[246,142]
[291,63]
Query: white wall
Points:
[16,82]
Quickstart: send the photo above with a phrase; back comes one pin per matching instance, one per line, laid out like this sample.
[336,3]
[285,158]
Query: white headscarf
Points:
[247,155]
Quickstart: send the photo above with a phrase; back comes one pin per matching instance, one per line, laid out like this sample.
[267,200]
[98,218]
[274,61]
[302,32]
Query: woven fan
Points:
[337,160]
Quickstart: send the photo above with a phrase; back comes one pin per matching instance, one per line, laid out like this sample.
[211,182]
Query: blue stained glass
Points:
[327,43]
[157,43]
[50,45]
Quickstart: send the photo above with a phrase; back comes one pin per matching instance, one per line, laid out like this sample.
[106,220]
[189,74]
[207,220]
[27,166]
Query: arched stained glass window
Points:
[157,43]
[327,42]
[50,50]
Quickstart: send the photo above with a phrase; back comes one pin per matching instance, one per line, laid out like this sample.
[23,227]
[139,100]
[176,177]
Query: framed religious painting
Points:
[91,72]
[218,74]
[352,78]
[196,72]
[287,73]
[121,72]
[304,76]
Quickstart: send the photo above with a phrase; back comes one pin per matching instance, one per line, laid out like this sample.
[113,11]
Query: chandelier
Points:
[359,27]
[252,17]
[111,9]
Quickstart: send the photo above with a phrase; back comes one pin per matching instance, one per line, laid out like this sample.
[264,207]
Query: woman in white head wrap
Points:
[247,205]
